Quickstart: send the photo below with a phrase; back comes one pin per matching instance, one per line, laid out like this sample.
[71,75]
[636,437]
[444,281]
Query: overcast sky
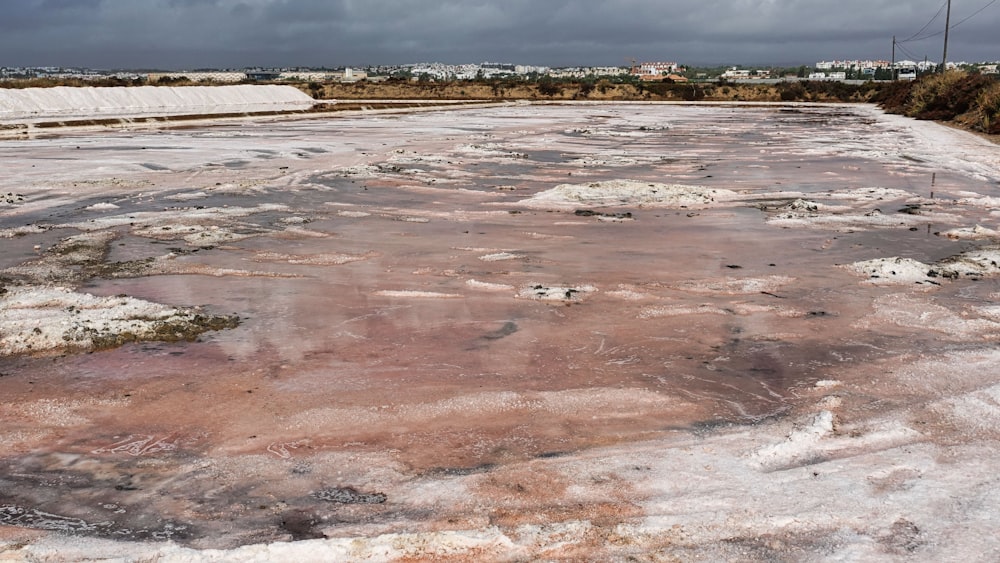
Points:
[188,34]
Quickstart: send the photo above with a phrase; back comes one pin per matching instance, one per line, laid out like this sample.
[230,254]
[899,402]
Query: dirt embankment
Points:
[971,101]
[596,91]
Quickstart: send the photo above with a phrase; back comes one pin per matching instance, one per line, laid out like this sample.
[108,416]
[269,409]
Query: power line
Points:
[974,14]
[906,52]
[928,36]
[914,38]
[928,24]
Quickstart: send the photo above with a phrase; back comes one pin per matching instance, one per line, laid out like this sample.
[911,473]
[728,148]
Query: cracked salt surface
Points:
[693,383]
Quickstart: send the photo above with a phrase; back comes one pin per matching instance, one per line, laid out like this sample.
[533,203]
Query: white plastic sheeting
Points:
[69,103]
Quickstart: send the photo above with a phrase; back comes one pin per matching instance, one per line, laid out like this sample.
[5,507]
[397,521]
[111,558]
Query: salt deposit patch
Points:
[977,232]
[799,445]
[401,156]
[991,312]
[555,293]
[213,236]
[978,411]
[629,293]
[500,256]
[547,236]
[33,229]
[487,286]
[822,439]
[102,207]
[490,150]
[609,161]
[850,221]
[736,286]
[294,220]
[862,209]
[973,263]
[487,544]
[976,263]
[604,403]
[194,235]
[38,320]
[354,214]
[978,200]
[742,309]
[628,192]
[891,271]
[409,293]
[59,413]
[868,194]
[908,311]
[189,196]
[65,262]
[323,259]
[168,218]
[81,257]
[358,171]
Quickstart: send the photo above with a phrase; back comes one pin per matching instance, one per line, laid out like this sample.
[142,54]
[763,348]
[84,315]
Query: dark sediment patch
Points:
[349,495]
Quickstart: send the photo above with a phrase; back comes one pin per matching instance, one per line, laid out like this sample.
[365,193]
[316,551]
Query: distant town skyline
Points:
[188,34]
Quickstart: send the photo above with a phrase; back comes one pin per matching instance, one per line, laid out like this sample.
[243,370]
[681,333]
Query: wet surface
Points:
[407,319]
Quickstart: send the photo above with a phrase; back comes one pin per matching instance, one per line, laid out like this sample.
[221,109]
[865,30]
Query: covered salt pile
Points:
[69,103]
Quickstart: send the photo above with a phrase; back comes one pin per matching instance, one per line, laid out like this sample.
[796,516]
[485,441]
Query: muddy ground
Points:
[585,331]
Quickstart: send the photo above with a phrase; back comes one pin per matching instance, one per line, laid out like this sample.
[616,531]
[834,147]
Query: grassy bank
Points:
[968,100]
[596,91]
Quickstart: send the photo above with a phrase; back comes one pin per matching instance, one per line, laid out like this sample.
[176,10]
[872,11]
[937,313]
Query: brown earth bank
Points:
[971,101]
[968,100]
[560,90]
[602,90]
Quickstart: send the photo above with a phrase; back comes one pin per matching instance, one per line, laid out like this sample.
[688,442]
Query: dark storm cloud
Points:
[238,33]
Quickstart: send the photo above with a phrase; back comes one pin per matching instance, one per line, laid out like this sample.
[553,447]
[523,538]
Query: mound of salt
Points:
[971,233]
[555,293]
[975,263]
[891,271]
[736,286]
[68,103]
[628,192]
[38,320]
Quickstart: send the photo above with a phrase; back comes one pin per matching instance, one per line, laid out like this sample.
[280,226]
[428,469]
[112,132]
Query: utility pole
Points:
[947,26]
[892,69]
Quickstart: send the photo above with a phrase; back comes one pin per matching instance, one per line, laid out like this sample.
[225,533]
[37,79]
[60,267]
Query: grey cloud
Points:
[237,33]
[299,11]
[191,3]
[75,5]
